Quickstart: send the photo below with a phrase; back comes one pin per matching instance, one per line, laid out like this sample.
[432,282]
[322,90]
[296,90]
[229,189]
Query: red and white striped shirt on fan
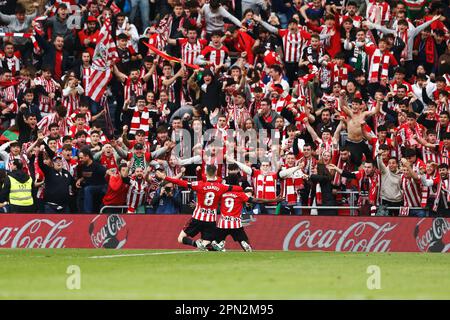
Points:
[190,51]
[208,195]
[264,185]
[136,194]
[46,104]
[215,56]
[132,88]
[231,207]
[411,192]
[293,44]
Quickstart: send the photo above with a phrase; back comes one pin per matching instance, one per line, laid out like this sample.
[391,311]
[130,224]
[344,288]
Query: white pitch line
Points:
[141,254]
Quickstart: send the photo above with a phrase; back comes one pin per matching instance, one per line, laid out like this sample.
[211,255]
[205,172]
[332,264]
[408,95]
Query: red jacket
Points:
[116,195]
[242,43]
[94,37]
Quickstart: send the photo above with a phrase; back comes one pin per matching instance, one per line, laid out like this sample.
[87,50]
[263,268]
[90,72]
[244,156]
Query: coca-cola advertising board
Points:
[343,234]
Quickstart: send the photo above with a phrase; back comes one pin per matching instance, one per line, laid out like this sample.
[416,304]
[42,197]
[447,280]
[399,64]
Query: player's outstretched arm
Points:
[182,183]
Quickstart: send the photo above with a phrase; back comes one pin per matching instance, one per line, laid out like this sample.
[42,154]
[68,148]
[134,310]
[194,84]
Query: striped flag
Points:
[104,55]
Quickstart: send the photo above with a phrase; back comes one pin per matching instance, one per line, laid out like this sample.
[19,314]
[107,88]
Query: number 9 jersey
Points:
[208,196]
[231,207]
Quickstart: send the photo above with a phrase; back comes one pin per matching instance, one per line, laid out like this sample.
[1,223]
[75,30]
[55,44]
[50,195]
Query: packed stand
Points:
[328,104]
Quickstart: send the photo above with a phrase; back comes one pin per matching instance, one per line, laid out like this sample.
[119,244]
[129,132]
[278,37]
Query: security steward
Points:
[18,185]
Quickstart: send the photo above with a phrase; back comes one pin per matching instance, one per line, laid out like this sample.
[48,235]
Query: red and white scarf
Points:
[379,59]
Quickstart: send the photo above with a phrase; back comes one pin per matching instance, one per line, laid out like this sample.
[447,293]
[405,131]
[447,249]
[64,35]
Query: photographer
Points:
[167,199]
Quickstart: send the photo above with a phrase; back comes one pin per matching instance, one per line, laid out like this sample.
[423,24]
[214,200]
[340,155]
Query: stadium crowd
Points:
[304,99]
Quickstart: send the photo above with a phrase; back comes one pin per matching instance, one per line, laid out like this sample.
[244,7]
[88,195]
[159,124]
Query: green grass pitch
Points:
[144,274]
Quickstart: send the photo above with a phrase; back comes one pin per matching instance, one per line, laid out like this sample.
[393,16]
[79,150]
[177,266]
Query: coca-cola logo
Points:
[108,231]
[363,236]
[35,233]
[431,234]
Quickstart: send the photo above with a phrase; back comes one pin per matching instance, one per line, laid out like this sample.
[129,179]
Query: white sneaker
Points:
[246,246]
[200,245]
[218,246]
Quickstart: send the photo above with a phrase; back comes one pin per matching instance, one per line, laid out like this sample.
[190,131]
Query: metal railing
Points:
[124,208]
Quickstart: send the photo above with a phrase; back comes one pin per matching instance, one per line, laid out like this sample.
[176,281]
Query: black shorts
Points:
[207,230]
[238,234]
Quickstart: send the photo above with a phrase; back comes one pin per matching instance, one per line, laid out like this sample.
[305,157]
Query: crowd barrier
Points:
[266,232]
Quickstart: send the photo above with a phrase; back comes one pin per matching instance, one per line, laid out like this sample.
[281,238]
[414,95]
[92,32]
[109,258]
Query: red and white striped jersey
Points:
[132,89]
[152,82]
[215,56]
[293,43]
[71,103]
[264,185]
[190,51]
[231,207]
[8,96]
[444,152]
[63,124]
[46,104]
[431,154]
[208,196]
[136,193]
[411,192]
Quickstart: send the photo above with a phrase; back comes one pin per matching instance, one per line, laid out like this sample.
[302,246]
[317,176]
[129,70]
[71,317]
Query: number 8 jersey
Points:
[208,196]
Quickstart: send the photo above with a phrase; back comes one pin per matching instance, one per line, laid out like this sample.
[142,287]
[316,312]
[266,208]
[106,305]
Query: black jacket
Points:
[57,184]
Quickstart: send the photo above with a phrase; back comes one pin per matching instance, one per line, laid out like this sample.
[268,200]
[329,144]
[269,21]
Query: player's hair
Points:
[443,166]
[211,170]
[431,131]
[381,128]
[384,147]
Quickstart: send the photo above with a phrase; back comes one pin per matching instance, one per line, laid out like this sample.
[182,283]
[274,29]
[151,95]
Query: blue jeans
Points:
[91,194]
[420,213]
[144,8]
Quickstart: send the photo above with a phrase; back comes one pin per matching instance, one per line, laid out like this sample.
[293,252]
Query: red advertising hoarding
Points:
[343,234]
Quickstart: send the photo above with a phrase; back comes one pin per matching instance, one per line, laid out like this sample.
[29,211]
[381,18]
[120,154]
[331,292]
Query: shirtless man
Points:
[355,117]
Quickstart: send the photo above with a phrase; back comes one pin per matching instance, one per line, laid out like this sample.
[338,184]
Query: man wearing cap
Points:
[58,184]
[89,35]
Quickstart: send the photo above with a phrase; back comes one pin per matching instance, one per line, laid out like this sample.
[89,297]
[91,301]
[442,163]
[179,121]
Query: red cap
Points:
[91,19]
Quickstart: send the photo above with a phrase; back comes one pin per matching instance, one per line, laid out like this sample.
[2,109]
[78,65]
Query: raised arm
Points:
[224,13]
[374,111]
[380,28]
[266,25]
[288,172]
[248,170]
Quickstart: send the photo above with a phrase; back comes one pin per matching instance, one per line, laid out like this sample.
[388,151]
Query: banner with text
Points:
[342,234]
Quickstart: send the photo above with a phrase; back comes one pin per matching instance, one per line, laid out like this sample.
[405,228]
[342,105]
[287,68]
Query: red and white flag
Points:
[104,55]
